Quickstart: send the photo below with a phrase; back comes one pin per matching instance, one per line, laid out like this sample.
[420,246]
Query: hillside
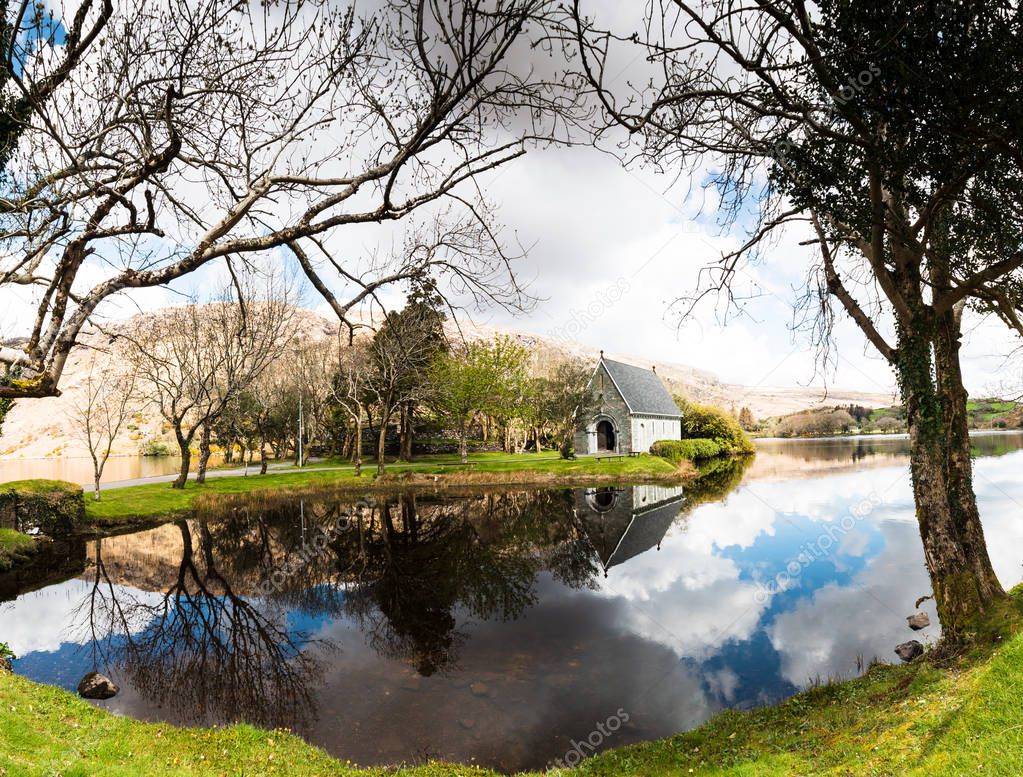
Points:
[42,428]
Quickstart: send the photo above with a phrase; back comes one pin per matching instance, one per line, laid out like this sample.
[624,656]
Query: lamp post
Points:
[301,432]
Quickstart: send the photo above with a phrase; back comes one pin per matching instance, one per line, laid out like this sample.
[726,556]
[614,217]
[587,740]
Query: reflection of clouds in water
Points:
[854,543]
[694,595]
[723,684]
[38,621]
[547,677]
[831,498]
[997,482]
[696,623]
[685,596]
[825,634]
[677,566]
[671,635]
[687,560]
[738,521]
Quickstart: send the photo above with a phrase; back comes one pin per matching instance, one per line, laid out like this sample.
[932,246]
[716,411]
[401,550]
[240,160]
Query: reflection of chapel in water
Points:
[622,522]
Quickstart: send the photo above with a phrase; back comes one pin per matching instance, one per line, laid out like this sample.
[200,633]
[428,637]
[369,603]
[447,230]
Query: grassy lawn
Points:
[157,499]
[962,718]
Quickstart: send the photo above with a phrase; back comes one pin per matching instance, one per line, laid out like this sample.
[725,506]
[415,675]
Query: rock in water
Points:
[918,621]
[907,651]
[96,686]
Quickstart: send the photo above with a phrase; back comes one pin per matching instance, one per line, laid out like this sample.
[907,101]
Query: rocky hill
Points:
[42,428]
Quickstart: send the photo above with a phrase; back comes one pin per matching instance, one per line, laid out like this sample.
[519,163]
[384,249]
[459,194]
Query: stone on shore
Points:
[907,651]
[918,621]
[97,686]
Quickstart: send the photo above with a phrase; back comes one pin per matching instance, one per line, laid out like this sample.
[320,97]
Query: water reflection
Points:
[498,625]
[195,647]
[78,469]
[812,457]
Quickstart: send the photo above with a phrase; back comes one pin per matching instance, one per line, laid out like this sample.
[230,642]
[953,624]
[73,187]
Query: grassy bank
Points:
[120,506]
[961,717]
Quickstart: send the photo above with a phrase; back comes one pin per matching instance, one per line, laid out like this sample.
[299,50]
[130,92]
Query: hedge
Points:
[677,451]
[52,507]
[709,422]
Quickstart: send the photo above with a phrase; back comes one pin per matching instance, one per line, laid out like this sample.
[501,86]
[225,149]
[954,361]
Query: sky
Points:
[610,249]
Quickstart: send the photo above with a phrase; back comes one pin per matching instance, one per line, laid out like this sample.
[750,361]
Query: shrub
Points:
[713,423]
[890,424]
[677,451]
[155,447]
[815,422]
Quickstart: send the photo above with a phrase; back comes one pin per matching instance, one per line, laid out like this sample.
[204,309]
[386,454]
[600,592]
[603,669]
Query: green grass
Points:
[39,486]
[960,718]
[159,499]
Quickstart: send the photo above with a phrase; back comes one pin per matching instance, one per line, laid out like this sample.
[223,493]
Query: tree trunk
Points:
[382,442]
[961,574]
[204,454]
[229,452]
[347,450]
[962,498]
[405,452]
[185,449]
[357,447]
[263,461]
[463,443]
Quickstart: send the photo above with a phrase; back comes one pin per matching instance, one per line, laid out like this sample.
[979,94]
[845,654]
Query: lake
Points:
[508,628]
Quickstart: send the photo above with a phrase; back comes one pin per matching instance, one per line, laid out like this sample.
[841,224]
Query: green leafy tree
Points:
[401,353]
[562,395]
[480,376]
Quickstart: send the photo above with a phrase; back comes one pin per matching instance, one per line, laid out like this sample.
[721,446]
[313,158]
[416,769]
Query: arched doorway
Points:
[606,438]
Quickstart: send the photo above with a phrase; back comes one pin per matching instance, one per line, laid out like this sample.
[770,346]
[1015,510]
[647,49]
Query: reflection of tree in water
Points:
[199,648]
[412,565]
[718,478]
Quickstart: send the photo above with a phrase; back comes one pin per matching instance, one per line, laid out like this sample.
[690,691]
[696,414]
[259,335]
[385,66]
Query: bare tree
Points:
[349,389]
[212,130]
[194,360]
[100,414]
[28,26]
[309,366]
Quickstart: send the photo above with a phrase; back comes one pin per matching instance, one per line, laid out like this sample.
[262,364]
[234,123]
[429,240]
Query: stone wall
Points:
[611,405]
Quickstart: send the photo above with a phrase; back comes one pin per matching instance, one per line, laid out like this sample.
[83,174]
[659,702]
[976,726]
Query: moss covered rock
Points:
[52,507]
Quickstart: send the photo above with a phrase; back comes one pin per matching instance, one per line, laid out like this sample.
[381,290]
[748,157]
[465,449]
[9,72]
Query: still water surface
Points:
[498,627]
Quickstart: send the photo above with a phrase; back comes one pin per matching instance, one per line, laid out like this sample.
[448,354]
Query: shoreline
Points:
[139,507]
[872,436]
